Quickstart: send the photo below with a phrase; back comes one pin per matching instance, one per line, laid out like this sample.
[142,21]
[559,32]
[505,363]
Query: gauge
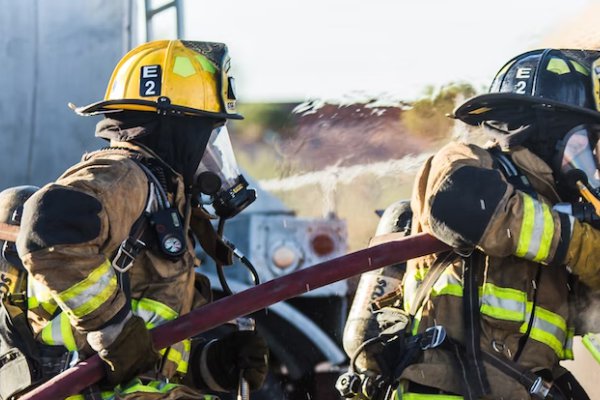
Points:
[172,245]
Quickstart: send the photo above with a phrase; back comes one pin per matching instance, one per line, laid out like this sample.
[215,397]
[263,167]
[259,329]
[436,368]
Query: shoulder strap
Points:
[431,277]
[504,163]
[133,245]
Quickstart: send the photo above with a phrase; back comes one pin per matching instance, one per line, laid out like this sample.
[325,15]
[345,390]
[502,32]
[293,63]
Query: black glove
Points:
[130,354]
[393,323]
[223,359]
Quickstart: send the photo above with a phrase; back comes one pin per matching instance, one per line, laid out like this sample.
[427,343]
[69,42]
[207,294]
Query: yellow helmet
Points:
[171,77]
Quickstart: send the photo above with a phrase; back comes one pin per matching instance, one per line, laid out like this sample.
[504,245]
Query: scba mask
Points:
[218,176]
[578,159]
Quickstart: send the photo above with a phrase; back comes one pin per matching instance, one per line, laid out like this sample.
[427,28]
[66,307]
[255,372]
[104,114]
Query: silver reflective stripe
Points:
[91,292]
[447,278]
[151,318]
[538,230]
[505,304]
[549,327]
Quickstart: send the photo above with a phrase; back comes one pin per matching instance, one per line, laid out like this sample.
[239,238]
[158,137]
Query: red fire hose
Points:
[393,249]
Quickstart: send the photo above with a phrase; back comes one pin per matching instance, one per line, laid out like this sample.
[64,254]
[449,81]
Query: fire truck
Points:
[304,334]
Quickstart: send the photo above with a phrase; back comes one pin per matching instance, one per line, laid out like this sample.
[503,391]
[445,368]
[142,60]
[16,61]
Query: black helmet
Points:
[11,209]
[11,203]
[548,79]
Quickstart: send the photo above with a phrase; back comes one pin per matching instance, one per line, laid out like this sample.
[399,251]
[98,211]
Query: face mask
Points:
[218,175]
[576,159]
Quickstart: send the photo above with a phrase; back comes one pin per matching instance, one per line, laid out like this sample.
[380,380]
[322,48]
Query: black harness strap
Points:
[477,384]
[514,176]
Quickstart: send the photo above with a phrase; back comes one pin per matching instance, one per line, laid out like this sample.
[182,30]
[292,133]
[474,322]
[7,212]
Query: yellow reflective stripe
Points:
[551,318]
[40,296]
[164,387]
[139,388]
[47,334]
[544,337]
[68,340]
[154,313]
[548,233]
[548,328]
[76,397]
[59,332]
[537,230]
[87,295]
[179,353]
[568,348]
[32,302]
[450,289]
[448,284]
[503,303]
[526,226]
[182,366]
[416,321]
[49,306]
[420,396]
[154,386]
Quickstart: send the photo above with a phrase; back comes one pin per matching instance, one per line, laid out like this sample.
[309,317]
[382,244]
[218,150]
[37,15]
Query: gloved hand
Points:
[223,359]
[392,320]
[393,323]
[126,349]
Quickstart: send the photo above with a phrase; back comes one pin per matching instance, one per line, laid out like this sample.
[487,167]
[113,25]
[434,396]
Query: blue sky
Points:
[329,49]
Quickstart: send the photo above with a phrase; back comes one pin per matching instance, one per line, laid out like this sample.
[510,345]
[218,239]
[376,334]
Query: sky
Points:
[334,49]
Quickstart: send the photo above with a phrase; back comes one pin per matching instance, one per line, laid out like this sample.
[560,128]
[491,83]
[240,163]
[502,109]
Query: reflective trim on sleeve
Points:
[59,332]
[39,295]
[87,295]
[179,353]
[537,230]
[568,350]
[155,313]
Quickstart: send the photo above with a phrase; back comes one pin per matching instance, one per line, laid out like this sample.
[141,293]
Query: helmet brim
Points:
[111,106]
[504,107]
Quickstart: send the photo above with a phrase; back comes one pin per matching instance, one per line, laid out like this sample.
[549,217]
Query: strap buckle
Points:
[433,337]
[126,255]
[540,388]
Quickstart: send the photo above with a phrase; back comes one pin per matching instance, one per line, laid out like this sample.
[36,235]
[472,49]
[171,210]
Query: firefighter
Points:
[494,317]
[108,245]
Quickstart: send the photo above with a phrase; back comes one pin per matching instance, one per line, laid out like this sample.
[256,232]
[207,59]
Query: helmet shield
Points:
[218,175]
[575,153]
[219,158]
[548,79]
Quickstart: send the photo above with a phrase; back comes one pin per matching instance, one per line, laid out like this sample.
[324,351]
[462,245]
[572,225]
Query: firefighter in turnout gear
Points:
[494,317]
[109,246]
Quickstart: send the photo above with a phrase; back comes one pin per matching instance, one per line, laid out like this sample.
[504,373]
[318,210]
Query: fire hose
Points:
[385,250]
